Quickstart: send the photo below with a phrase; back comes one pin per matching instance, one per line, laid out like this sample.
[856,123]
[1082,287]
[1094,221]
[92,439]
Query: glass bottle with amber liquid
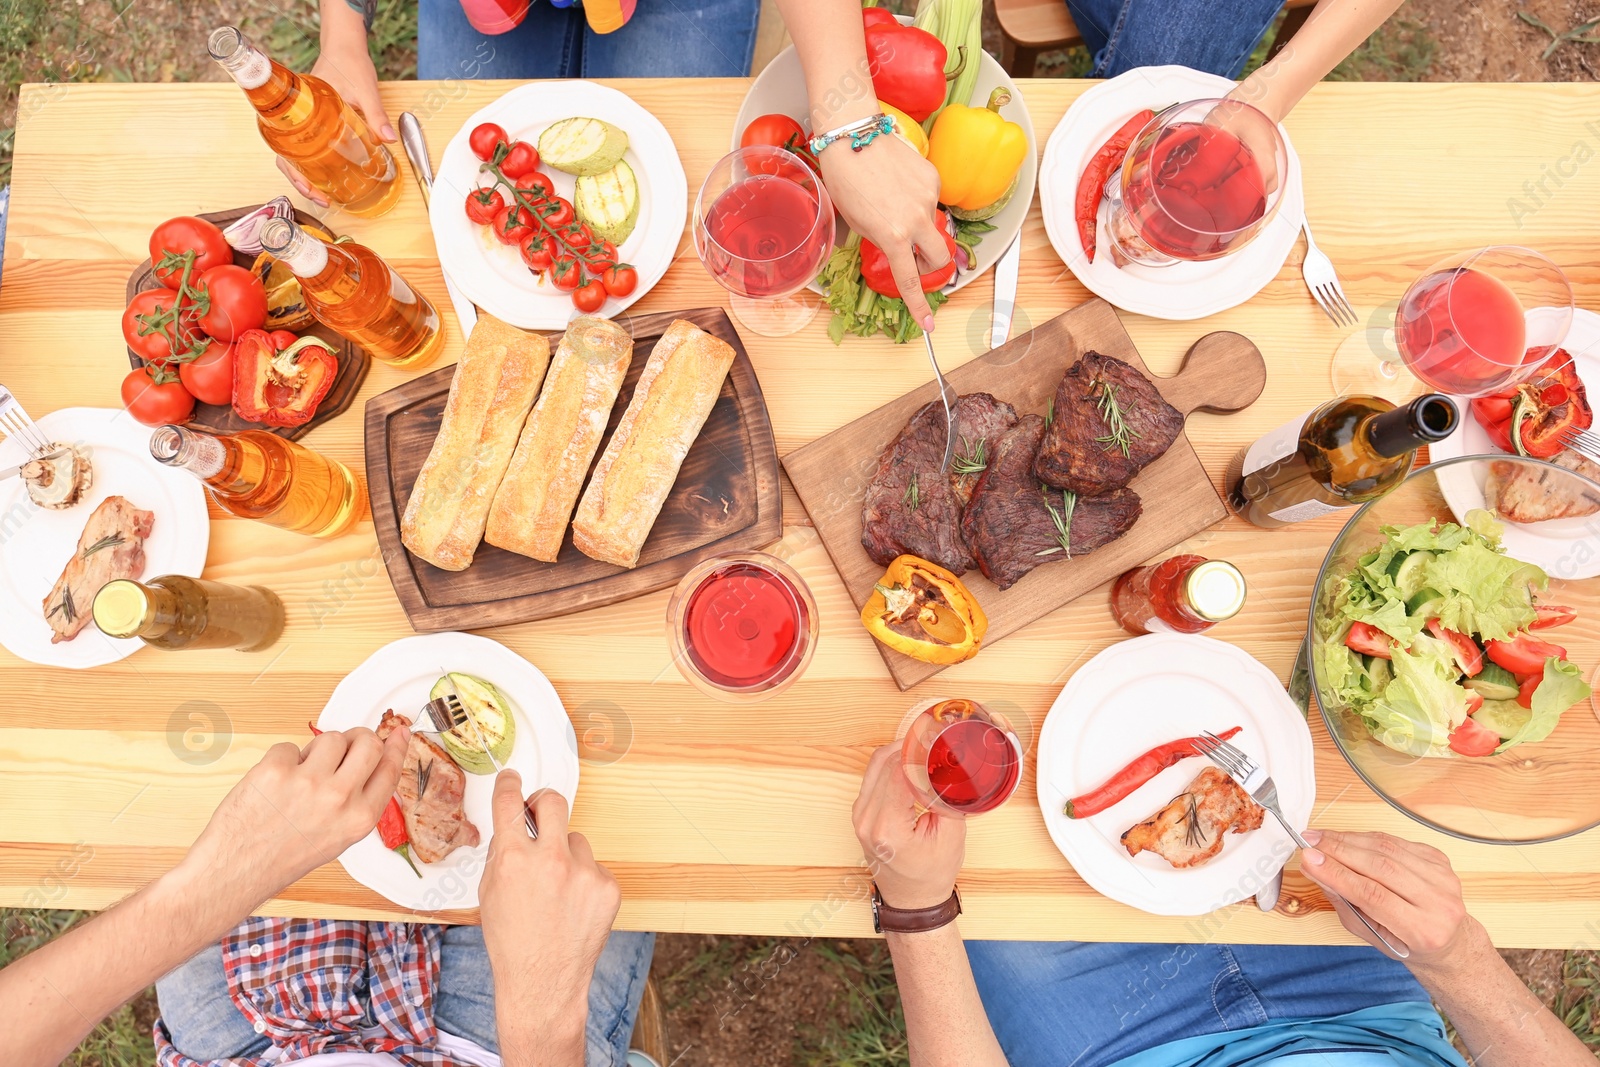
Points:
[258,475]
[175,612]
[1350,450]
[1184,594]
[310,126]
[357,295]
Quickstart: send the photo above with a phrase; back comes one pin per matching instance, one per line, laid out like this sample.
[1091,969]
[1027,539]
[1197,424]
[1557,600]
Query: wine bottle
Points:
[1350,450]
[174,612]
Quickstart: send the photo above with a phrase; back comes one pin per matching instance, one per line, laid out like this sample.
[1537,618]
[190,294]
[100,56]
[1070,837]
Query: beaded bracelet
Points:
[861,133]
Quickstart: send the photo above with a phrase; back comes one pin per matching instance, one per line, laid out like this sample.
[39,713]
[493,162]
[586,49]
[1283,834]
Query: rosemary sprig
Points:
[913,495]
[1194,834]
[66,609]
[1110,408]
[424,774]
[1050,412]
[104,542]
[974,459]
[1063,520]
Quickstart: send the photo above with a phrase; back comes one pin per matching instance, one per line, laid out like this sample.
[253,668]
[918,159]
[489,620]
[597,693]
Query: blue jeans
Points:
[1210,35]
[1076,1004]
[205,1024]
[664,39]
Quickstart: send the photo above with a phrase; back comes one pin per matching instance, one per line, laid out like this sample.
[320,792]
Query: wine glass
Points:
[1199,181]
[763,228]
[1472,324]
[962,756]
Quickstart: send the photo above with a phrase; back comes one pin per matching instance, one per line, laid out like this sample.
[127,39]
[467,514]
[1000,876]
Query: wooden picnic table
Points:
[718,817]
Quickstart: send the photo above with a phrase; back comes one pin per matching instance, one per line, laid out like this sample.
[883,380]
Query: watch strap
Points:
[887,920]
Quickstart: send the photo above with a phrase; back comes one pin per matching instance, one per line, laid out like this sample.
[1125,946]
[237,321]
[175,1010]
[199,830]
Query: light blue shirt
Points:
[1408,1034]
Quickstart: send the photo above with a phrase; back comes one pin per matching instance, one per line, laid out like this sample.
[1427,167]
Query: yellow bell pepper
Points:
[906,127]
[924,611]
[978,153]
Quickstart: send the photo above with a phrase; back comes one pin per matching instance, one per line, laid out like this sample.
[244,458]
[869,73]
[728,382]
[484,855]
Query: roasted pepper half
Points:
[924,611]
[1537,417]
[978,153]
[278,380]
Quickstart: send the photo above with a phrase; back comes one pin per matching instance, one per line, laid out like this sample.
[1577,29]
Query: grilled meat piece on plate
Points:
[432,790]
[1188,831]
[1109,423]
[1522,494]
[110,547]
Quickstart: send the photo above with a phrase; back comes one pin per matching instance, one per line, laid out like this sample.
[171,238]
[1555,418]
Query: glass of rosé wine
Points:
[961,756]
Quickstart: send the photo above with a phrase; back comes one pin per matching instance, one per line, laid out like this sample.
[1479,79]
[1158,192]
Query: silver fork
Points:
[14,422]
[1258,783]
[948,395]
[446,713]
[1323,281]
[1582,442]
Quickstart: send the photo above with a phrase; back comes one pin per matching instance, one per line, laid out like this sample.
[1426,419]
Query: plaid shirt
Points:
[316,986]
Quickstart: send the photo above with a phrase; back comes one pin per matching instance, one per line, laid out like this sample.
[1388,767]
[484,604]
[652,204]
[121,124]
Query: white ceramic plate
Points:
[1145,692]
[492,274]
[780,89]
[35,544]
[1551,545]
[399,676]
[1181,290]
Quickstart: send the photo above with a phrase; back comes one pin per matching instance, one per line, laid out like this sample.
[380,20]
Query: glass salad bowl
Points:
[1453,650]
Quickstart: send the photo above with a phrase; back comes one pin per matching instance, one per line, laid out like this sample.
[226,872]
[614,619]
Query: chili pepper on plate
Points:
[1092,184]
[1122,784]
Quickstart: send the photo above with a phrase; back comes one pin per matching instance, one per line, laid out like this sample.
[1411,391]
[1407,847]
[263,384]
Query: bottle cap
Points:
[121,608]
[1214,590]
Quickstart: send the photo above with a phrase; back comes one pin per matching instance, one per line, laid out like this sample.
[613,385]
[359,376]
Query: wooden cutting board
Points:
[727,499]
[1223,372]
[354,361]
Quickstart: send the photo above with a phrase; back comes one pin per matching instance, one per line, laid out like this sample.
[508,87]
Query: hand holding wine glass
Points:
[914,853]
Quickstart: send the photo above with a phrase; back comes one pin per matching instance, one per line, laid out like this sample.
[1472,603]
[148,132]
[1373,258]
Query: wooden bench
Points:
[1033,26]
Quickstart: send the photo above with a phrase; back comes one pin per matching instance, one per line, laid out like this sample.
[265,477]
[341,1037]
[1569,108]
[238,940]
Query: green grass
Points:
[1401,51]
[874,1031]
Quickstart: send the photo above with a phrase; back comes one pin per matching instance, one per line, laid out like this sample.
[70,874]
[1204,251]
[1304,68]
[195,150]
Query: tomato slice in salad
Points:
[1525,688]
[1549,615]
[1368,640]
[1523,653]
[1472,738]
[1465,650]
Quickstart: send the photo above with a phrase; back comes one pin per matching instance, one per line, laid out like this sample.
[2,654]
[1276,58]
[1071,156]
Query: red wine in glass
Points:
[743,627]
[964,755]
[1204,189]
[765,239]
[1462,331]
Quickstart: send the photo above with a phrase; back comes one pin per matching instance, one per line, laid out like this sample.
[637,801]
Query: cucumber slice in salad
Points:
[1504,717]
[1408,573]
[1494,682]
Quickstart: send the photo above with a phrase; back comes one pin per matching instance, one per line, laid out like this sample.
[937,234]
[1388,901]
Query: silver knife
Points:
[1005,292]
[416,147]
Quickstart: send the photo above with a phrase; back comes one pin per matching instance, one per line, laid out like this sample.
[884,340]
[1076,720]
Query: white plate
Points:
[1181,290]
[780,89]
[1145,692]
[493,274]
[1550,545]
[35,543]
[400,676]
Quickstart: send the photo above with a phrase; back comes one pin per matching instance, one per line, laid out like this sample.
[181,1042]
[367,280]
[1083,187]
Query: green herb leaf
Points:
[974,459]
[104,542]
[1110,408]
[913,495]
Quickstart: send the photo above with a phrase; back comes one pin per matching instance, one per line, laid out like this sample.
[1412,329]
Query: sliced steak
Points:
[110,547]
[432,790]
[1009,522]
[926,521]
[1079,452]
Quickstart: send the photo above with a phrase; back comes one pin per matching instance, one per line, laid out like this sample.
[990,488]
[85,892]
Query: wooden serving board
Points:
[1223,372]
[354,361]
[727,498]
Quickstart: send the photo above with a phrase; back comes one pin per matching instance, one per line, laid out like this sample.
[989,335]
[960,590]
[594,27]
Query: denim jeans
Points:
[1210,35]
[205,1024]
[1073,1004]
[664,39]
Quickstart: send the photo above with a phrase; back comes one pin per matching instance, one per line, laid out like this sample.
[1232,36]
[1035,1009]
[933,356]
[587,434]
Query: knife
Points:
[1005,292]
[450,687]
[416,147]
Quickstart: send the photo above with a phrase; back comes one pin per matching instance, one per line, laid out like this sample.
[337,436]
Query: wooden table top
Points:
[717,817]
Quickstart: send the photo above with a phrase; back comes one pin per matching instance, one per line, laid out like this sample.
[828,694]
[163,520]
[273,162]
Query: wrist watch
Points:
[887,920]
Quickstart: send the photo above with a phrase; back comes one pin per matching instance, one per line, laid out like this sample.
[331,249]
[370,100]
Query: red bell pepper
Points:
[392,831]
[1537,417]
[906,64]
[879,277]
[279,384]
[1092,183]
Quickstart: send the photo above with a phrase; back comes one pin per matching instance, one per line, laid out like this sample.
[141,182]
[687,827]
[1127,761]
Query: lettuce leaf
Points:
[1423,702]
[1561,688]
[1485,591]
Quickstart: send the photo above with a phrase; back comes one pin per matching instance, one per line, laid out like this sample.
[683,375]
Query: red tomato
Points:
[1369,640]
[619,279]
[577,236]
[483,139]
[156,344]
[589,297]
[484,204]
[780,131]
[1525,688]
[238,301]
[557,213]
[1465,650]
[209,376]
[537,185]
[522,159]
[152,404]
[512,225]
[1474,739]
[1551,615]
[608,252]
[1474,701]
[536,252]
[188,234]
[565,273]
[1523,654]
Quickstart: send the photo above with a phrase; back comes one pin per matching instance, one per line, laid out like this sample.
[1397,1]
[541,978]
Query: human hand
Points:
[296,810]
[1407,888]
[347,66]
[915,854]
[547,907]
[1244,117]
[889,194]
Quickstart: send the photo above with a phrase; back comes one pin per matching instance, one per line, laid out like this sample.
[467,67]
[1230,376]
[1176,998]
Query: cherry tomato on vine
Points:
[522,159]
[607,253]
[577,235]
[238,301]
[483,204]
[209,376]
[537,184]
[565,273]
[619,279]
[536,252]
[589,297]
[513,225]
[557,212]
[483,139]
[185,234]
[157,345]
[152,404]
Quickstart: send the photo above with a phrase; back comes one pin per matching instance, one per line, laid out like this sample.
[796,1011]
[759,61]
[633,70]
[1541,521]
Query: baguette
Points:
[534,502]
[493,389]
[675,395]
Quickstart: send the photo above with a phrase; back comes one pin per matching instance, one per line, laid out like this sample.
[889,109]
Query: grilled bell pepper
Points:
[279,383]
[1536,418]
[906,63]
[978,153]
[879,276]
[392,831]
[924,611]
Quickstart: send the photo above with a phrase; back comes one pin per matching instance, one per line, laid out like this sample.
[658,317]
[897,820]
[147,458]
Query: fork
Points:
[1258,783]
[1323,281]
[446,713]
[948,395]
[14,422]
[1583,442]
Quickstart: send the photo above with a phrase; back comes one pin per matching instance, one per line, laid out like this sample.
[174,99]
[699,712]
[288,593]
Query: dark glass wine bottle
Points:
[1347,452]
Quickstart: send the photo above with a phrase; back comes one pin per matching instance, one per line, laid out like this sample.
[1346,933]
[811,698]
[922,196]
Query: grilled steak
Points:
[431,791]
[1188,831]
[913,507]
[1009,524]
[110,547]
[1521,494]
[1083,450]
